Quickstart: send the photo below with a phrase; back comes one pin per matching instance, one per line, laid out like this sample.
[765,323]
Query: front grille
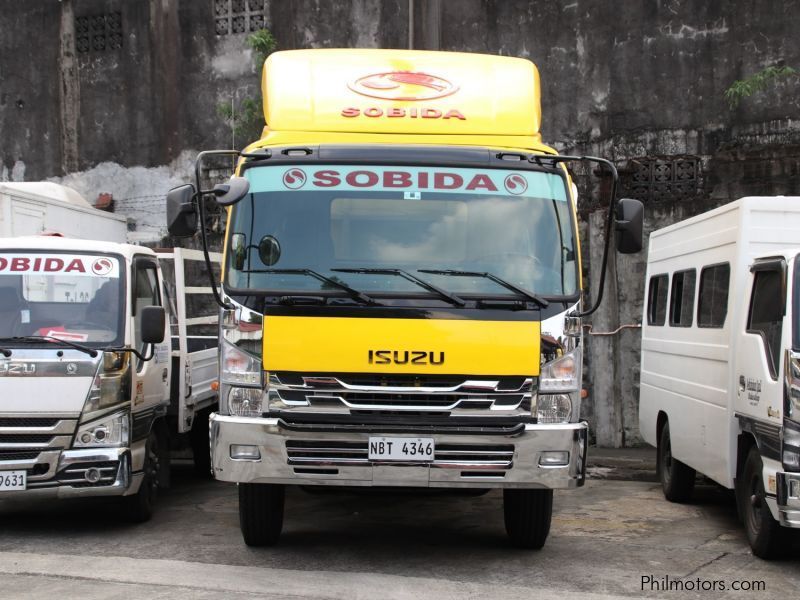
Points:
[25,438]
[407,399]
[447,456]
[36,440]
[16,455]
[28,422]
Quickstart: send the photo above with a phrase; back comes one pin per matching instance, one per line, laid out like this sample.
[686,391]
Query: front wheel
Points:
[527,516]
[261,512]
[677,479]
[139,507]
[766,536]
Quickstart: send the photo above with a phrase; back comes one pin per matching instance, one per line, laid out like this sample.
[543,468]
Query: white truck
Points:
[31,208]
[720,373]
[92,375]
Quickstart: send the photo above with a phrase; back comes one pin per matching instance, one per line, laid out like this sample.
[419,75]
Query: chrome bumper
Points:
[522,451]
[788,505]
[124,483]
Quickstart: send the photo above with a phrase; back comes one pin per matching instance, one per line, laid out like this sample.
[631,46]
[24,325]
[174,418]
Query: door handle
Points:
[742,384]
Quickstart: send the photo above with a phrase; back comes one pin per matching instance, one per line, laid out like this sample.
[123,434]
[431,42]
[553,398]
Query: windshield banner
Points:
[76,265]
[411,180]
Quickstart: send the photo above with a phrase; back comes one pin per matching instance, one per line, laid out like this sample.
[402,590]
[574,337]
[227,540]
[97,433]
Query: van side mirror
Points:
[629,225]
[181,211]
[153,320]
[231,191]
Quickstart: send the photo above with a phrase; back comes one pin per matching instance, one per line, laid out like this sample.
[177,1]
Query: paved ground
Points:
[605,538]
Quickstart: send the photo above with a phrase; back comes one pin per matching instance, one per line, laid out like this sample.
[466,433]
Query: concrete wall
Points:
[635,82]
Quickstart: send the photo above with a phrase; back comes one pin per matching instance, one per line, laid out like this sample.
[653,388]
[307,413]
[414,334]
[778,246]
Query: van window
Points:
[766,315]
[712,300]
[681,304]
[657,300]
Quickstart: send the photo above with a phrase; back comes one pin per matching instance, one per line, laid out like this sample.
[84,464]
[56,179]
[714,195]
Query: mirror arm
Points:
[612,205]
[202,213]
[139,355]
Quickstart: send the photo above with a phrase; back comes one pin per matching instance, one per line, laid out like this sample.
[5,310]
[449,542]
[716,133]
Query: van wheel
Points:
[261,513]
[527,516]
[766,536]
[140,507]
[677,479]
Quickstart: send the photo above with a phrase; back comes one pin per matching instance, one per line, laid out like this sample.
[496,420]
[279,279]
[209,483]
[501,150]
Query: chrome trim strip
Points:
[59,441]
[479,385]
[62,427]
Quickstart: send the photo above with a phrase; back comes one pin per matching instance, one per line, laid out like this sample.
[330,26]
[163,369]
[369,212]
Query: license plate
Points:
[13,480]
[401,449]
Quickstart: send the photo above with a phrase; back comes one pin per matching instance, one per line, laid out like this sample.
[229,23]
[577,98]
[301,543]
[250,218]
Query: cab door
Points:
[759,361]
[150,377]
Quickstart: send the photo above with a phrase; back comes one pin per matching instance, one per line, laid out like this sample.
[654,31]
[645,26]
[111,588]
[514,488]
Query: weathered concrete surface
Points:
[604,538]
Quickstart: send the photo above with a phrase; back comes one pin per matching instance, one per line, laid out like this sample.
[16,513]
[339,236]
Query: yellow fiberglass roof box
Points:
[401,91]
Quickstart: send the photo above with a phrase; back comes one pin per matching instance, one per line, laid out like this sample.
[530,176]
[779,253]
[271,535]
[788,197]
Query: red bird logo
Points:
[403,85]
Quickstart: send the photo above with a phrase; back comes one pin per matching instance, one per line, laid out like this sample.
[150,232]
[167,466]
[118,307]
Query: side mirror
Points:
[181,211]
[231,191]
[153,320]
[629,222]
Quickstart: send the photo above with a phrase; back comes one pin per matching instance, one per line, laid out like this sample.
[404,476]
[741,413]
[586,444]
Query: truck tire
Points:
[677,479]
[201,450]
[261,513]
[766,536]
[139,507]
[527,516]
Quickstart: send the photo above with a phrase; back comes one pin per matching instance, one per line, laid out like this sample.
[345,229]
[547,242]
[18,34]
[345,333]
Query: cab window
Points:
[765,317]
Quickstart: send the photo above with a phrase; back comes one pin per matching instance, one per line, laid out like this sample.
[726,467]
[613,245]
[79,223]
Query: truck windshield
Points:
[350,222]
[74,297]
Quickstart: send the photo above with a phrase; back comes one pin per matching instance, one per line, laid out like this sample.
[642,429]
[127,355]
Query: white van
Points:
[720,372]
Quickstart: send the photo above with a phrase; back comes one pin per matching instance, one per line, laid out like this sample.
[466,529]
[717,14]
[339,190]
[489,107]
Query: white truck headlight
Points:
[559,384]
[109,431]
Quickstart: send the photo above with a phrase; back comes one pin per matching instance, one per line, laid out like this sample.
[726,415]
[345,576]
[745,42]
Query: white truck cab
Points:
[720,376]
[85,371]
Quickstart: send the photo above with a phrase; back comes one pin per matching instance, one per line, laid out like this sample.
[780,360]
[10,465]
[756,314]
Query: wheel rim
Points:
[754,500]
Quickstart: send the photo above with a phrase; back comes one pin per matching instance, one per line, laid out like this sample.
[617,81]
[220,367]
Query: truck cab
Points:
[84,371]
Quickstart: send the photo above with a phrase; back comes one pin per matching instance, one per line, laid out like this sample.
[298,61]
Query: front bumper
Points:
[788,504]
[113,465]
[285,457]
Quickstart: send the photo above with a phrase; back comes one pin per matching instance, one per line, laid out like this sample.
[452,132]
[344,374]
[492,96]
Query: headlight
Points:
[558,400]
[111,385]
[238,367]
[555,408]
[245,402]
[109,431]
[791,446]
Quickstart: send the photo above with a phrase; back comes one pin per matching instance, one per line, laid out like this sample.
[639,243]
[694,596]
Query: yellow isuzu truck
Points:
[401,286]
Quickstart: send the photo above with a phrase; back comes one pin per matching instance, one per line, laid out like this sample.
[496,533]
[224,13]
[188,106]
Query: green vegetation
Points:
[744,88]
[246,118]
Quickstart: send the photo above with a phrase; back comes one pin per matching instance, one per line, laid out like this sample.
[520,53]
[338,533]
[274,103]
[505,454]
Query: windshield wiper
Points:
[506,284]
[450,297]
[355,294]
[48,338]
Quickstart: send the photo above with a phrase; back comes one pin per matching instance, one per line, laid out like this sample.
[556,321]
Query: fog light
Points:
[245,452]
[794,488]
[92,475]
[554,458]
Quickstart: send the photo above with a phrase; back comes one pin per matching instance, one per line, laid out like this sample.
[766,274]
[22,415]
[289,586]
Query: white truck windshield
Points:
[517,225]
[74,297]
